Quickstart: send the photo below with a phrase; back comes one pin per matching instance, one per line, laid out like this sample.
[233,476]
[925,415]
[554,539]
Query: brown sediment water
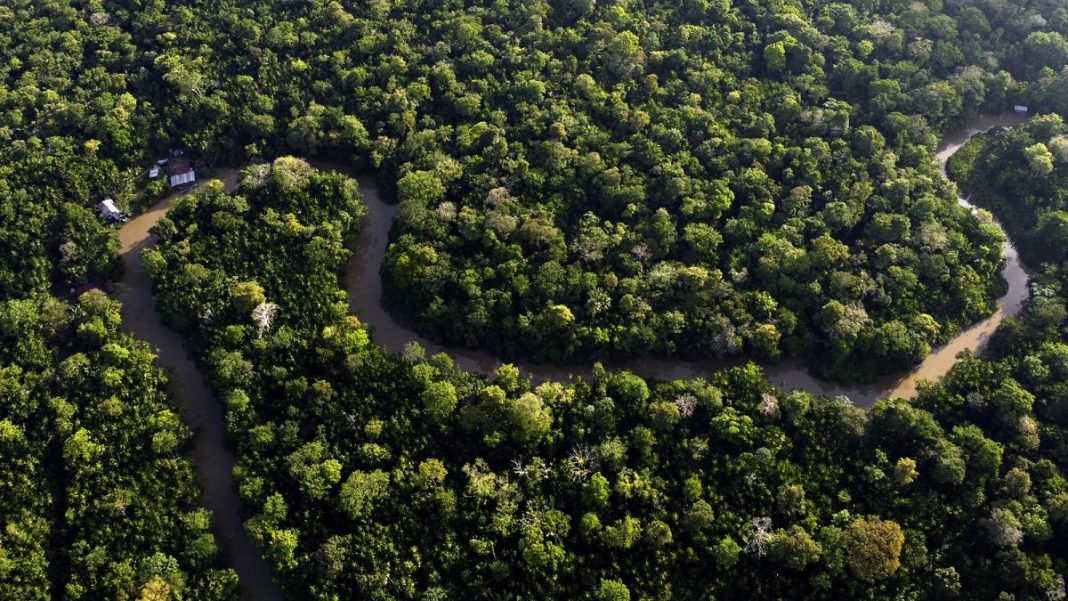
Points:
[365,296]
[939,362]
[202,412]
[197,406]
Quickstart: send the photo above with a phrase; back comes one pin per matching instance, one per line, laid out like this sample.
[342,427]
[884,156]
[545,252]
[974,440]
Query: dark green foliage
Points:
[613,488]
[597,180]
[628,195]
[99,499]
[1022,176]
[576,179]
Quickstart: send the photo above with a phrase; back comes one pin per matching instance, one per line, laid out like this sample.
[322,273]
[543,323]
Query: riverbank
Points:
[365,299]
[197,405]
[202,412]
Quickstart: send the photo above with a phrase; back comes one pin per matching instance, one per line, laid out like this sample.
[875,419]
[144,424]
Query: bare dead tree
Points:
[518,468]
[758,540]
[769,405]
[686,403]
[263,316]
[580,463]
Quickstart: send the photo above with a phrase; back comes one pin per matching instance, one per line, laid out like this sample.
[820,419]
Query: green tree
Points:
[362,491]
[612,590]
[873,547]
[440,399]
[247,296]
[794,548]
[530,417]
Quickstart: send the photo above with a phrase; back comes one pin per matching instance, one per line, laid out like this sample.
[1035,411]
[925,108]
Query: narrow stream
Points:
[203,413]
[365,297]
[197,405]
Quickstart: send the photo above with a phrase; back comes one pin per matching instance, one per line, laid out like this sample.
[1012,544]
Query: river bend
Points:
[204,414]
[197,406]
[365,297]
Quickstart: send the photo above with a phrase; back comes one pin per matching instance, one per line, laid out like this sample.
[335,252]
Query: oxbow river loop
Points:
[365,294]
[202,412]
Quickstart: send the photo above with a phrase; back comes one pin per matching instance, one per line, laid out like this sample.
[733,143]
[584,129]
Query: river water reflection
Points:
[365,293]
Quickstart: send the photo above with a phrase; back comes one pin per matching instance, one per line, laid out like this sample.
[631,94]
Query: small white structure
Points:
[183,179]
[108,210]
[180,171]
[1020,109]
[153,173]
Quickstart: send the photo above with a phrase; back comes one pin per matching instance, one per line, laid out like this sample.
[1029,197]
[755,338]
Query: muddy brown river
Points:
[204,414]
[365,297]
[196,404]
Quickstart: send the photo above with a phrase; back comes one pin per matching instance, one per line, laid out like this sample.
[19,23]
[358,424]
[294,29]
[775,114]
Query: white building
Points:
[183,178]
[180,171]
[1019,108]
[108,210]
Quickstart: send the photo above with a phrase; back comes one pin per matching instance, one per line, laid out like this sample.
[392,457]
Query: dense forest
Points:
[704,186]
[1022,176]
[594,180]
[724,488]
[577,180]
[98,499]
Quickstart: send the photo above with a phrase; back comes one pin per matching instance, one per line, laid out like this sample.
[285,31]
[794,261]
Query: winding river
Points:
[196,404]
[365,298]
[203,413]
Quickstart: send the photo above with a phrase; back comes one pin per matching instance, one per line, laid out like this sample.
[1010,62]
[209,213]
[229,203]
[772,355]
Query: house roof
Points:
[108,209]
[181,179]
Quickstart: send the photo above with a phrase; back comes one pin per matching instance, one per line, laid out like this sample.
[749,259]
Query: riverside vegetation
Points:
[593,180]
[617,487]
[98,498]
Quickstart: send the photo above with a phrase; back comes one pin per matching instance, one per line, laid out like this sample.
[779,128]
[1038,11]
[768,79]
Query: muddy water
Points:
[365,294]
[938,363]
[197,406]
[202,412]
